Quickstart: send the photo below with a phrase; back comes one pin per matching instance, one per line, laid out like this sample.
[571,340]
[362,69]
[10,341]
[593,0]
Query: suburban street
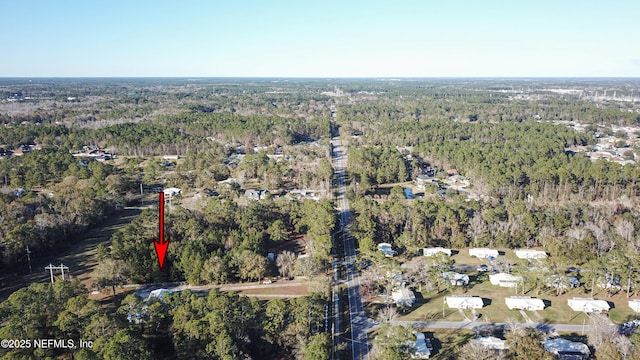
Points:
[359,322]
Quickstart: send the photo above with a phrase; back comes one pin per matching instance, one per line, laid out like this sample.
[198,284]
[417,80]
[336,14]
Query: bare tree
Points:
[603,243]
[514,327]
[472,351]
[625,347]
[625,229]
[477,228]
[111,272]
[502,264]
[601,330]
[387,314]
[575,235]
[421,273]
[286,262]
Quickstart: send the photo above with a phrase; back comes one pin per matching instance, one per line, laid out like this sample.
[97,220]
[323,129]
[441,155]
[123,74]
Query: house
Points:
[253,194]
[609,282]
[257,194]
[567,350]
[423,180]
[386,249]
[403,297]
[561,281]
[172,191]
[456,279]
[635,305]
[158,294]
[464,302]
[588,305]
[483,253]
[505,280]
[422,346]
[489,342]
[302,194]
[524,303]
[435,250]
[530,254]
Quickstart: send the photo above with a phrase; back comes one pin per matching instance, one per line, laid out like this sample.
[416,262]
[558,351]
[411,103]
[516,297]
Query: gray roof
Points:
[567,349]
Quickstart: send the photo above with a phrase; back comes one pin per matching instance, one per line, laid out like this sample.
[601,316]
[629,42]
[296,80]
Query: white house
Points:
[530,254]
[403,297]
[456,279]
[435,250]
[566,349]
[635,305]
[158,294]
[524,303]
[588,305]
[386,249]
[505,280]
[257,194]
[483,252]
[422,347]
[489,342]
[464,302]
[172,191]
[423,180]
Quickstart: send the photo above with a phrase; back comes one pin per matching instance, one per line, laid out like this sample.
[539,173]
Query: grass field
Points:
[446,342]
[496,310]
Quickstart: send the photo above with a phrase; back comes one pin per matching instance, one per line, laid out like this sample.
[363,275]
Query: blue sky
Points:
[272,38]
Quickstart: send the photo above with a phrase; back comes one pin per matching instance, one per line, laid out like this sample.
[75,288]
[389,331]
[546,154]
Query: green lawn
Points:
[497,311]
[622,312]
[447,342]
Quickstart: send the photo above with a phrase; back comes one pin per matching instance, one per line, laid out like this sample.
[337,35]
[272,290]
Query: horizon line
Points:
[320,77]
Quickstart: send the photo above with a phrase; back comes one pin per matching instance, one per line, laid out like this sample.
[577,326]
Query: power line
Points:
[29,258]
[52,267]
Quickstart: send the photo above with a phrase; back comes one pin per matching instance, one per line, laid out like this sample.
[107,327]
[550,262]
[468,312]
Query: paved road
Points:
[471,325]
[359,322]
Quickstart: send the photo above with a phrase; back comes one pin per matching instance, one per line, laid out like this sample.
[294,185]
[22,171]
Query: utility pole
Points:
[29,258]
[141,196]
[52,267]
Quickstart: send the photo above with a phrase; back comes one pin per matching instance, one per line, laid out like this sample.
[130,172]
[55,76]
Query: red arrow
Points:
[161,244]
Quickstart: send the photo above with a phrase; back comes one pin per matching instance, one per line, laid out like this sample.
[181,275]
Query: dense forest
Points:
[224,243]
[184,325]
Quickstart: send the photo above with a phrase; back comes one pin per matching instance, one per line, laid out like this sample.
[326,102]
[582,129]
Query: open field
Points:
[80,258]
